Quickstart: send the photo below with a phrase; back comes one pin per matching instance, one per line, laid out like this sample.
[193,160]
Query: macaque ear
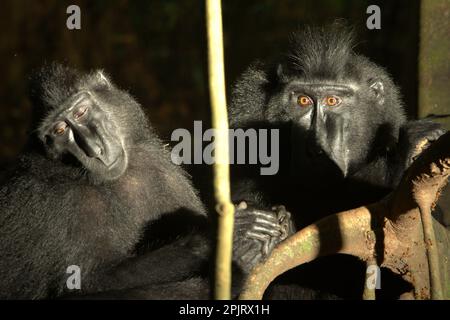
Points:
[280,73]
[102,78]
[377,87]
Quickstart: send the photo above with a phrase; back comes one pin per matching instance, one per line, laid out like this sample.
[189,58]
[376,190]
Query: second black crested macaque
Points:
[345,140]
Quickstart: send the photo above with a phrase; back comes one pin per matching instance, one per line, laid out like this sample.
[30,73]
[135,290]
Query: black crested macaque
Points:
[345,140]
[96,190]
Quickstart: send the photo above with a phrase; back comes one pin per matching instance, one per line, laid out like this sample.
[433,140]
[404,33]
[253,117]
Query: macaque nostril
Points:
[313,150]
[98,150]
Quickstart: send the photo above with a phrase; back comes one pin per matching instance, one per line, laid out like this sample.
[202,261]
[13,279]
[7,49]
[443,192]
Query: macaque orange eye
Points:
[60,128]
[80,112]
[304,101]
[332,101]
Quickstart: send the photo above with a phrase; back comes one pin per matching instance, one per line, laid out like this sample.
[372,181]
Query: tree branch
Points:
[390,230]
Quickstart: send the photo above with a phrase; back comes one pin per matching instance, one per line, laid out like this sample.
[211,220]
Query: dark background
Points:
[157,49]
